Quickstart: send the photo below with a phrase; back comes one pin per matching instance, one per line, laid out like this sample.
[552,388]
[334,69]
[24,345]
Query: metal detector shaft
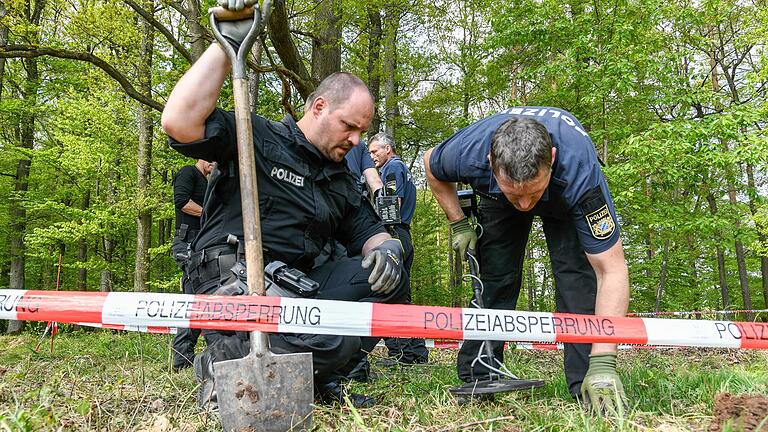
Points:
[477,289]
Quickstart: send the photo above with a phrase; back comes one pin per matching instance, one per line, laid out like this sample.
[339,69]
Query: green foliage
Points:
[672,93]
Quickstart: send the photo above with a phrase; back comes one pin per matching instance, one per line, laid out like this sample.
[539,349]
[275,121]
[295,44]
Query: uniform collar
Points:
[393,158]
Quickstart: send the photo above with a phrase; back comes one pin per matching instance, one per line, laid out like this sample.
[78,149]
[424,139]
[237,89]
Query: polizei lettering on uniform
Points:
[287,176]
[293,315]
[10,303]
[541,112]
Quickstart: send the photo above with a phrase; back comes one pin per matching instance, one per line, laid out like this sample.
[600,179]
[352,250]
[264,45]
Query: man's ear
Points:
[319,105]
[554,154]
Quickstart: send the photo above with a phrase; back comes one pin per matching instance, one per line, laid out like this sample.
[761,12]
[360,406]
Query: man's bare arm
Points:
[612,288]
[192,208]
[444,192]
[194,97]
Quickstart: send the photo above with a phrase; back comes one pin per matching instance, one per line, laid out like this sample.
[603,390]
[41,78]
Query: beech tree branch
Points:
[31,51]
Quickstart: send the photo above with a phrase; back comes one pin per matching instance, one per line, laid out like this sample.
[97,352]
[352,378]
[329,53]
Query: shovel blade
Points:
[265,392]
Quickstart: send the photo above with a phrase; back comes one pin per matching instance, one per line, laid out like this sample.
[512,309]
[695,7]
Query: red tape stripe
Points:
[85,307]
[574,328]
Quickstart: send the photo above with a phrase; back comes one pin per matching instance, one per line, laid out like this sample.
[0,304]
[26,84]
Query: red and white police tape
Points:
[297,315]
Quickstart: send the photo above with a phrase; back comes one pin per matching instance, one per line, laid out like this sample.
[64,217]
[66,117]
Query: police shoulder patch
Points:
[601,223]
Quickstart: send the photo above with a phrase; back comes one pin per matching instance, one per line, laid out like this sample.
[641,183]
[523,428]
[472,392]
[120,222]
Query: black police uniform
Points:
[188,184]
[304,200]
[396,177]
[576,210]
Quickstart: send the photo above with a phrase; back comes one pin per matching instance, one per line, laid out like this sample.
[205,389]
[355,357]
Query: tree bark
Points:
[389,69]
[82,250]
[326,46]
[280,35]
[144,160]
[3,43]
[720,258]
[373,68]
[662,276]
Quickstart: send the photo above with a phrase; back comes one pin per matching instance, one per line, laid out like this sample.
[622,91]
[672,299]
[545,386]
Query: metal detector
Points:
[500,379]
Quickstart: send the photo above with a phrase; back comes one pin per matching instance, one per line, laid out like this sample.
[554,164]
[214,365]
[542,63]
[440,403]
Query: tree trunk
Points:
[196,30]
[720,258]
[326,46]
[754,198]
[389,69]
[280,35]
[27,128]
[107,246]
[82,250]
[662,275]
[374,69]
[3,42]
[730,180]
[144,161]
[254,77]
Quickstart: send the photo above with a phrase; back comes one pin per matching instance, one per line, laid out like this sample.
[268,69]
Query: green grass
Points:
[112,381]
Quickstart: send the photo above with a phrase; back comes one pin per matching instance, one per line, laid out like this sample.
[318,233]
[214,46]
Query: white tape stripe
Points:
[689,333]
[325,317]
[491,324]
[8,301]
[147,309]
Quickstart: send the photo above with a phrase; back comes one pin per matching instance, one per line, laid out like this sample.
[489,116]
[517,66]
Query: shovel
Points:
[262,391]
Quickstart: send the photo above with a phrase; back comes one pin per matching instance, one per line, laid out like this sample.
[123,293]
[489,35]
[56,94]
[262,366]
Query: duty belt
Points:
[211,263]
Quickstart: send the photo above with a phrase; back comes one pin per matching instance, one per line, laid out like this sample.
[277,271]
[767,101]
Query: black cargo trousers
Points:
[406,350]
[501,250]
[185,340]
[333,356]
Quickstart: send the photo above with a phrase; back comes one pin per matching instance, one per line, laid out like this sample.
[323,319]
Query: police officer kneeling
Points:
[306,198]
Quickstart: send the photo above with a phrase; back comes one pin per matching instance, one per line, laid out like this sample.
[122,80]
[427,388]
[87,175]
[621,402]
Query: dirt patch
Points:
[743,413]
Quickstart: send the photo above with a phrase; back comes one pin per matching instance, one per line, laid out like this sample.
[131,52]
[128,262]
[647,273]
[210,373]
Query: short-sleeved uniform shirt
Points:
[188,184]
[359,160]
[304,198]
[577,186]
[395,169]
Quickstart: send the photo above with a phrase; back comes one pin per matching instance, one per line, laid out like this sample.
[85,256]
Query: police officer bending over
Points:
[306,198]
[530,161]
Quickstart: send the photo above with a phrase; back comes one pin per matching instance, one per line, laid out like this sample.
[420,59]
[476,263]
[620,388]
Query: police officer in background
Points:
[397,179]
[306,198]
[188,193]
[361,165]
[540,161]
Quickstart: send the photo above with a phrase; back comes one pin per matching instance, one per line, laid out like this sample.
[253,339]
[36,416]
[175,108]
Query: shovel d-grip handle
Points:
[260,16]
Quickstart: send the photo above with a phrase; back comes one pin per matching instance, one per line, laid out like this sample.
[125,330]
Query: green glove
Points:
[602,391]
[464,237]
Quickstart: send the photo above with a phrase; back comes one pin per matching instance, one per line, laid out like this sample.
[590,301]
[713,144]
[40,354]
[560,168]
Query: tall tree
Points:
[144,163]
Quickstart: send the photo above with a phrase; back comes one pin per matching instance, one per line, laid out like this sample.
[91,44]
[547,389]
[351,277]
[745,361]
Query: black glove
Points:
[235,31]
[388,268]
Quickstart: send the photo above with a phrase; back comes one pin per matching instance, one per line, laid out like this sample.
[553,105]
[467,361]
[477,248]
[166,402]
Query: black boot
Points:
[332,393]
[206,393]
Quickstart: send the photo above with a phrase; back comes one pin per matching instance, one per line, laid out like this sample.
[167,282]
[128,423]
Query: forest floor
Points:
[117,381]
